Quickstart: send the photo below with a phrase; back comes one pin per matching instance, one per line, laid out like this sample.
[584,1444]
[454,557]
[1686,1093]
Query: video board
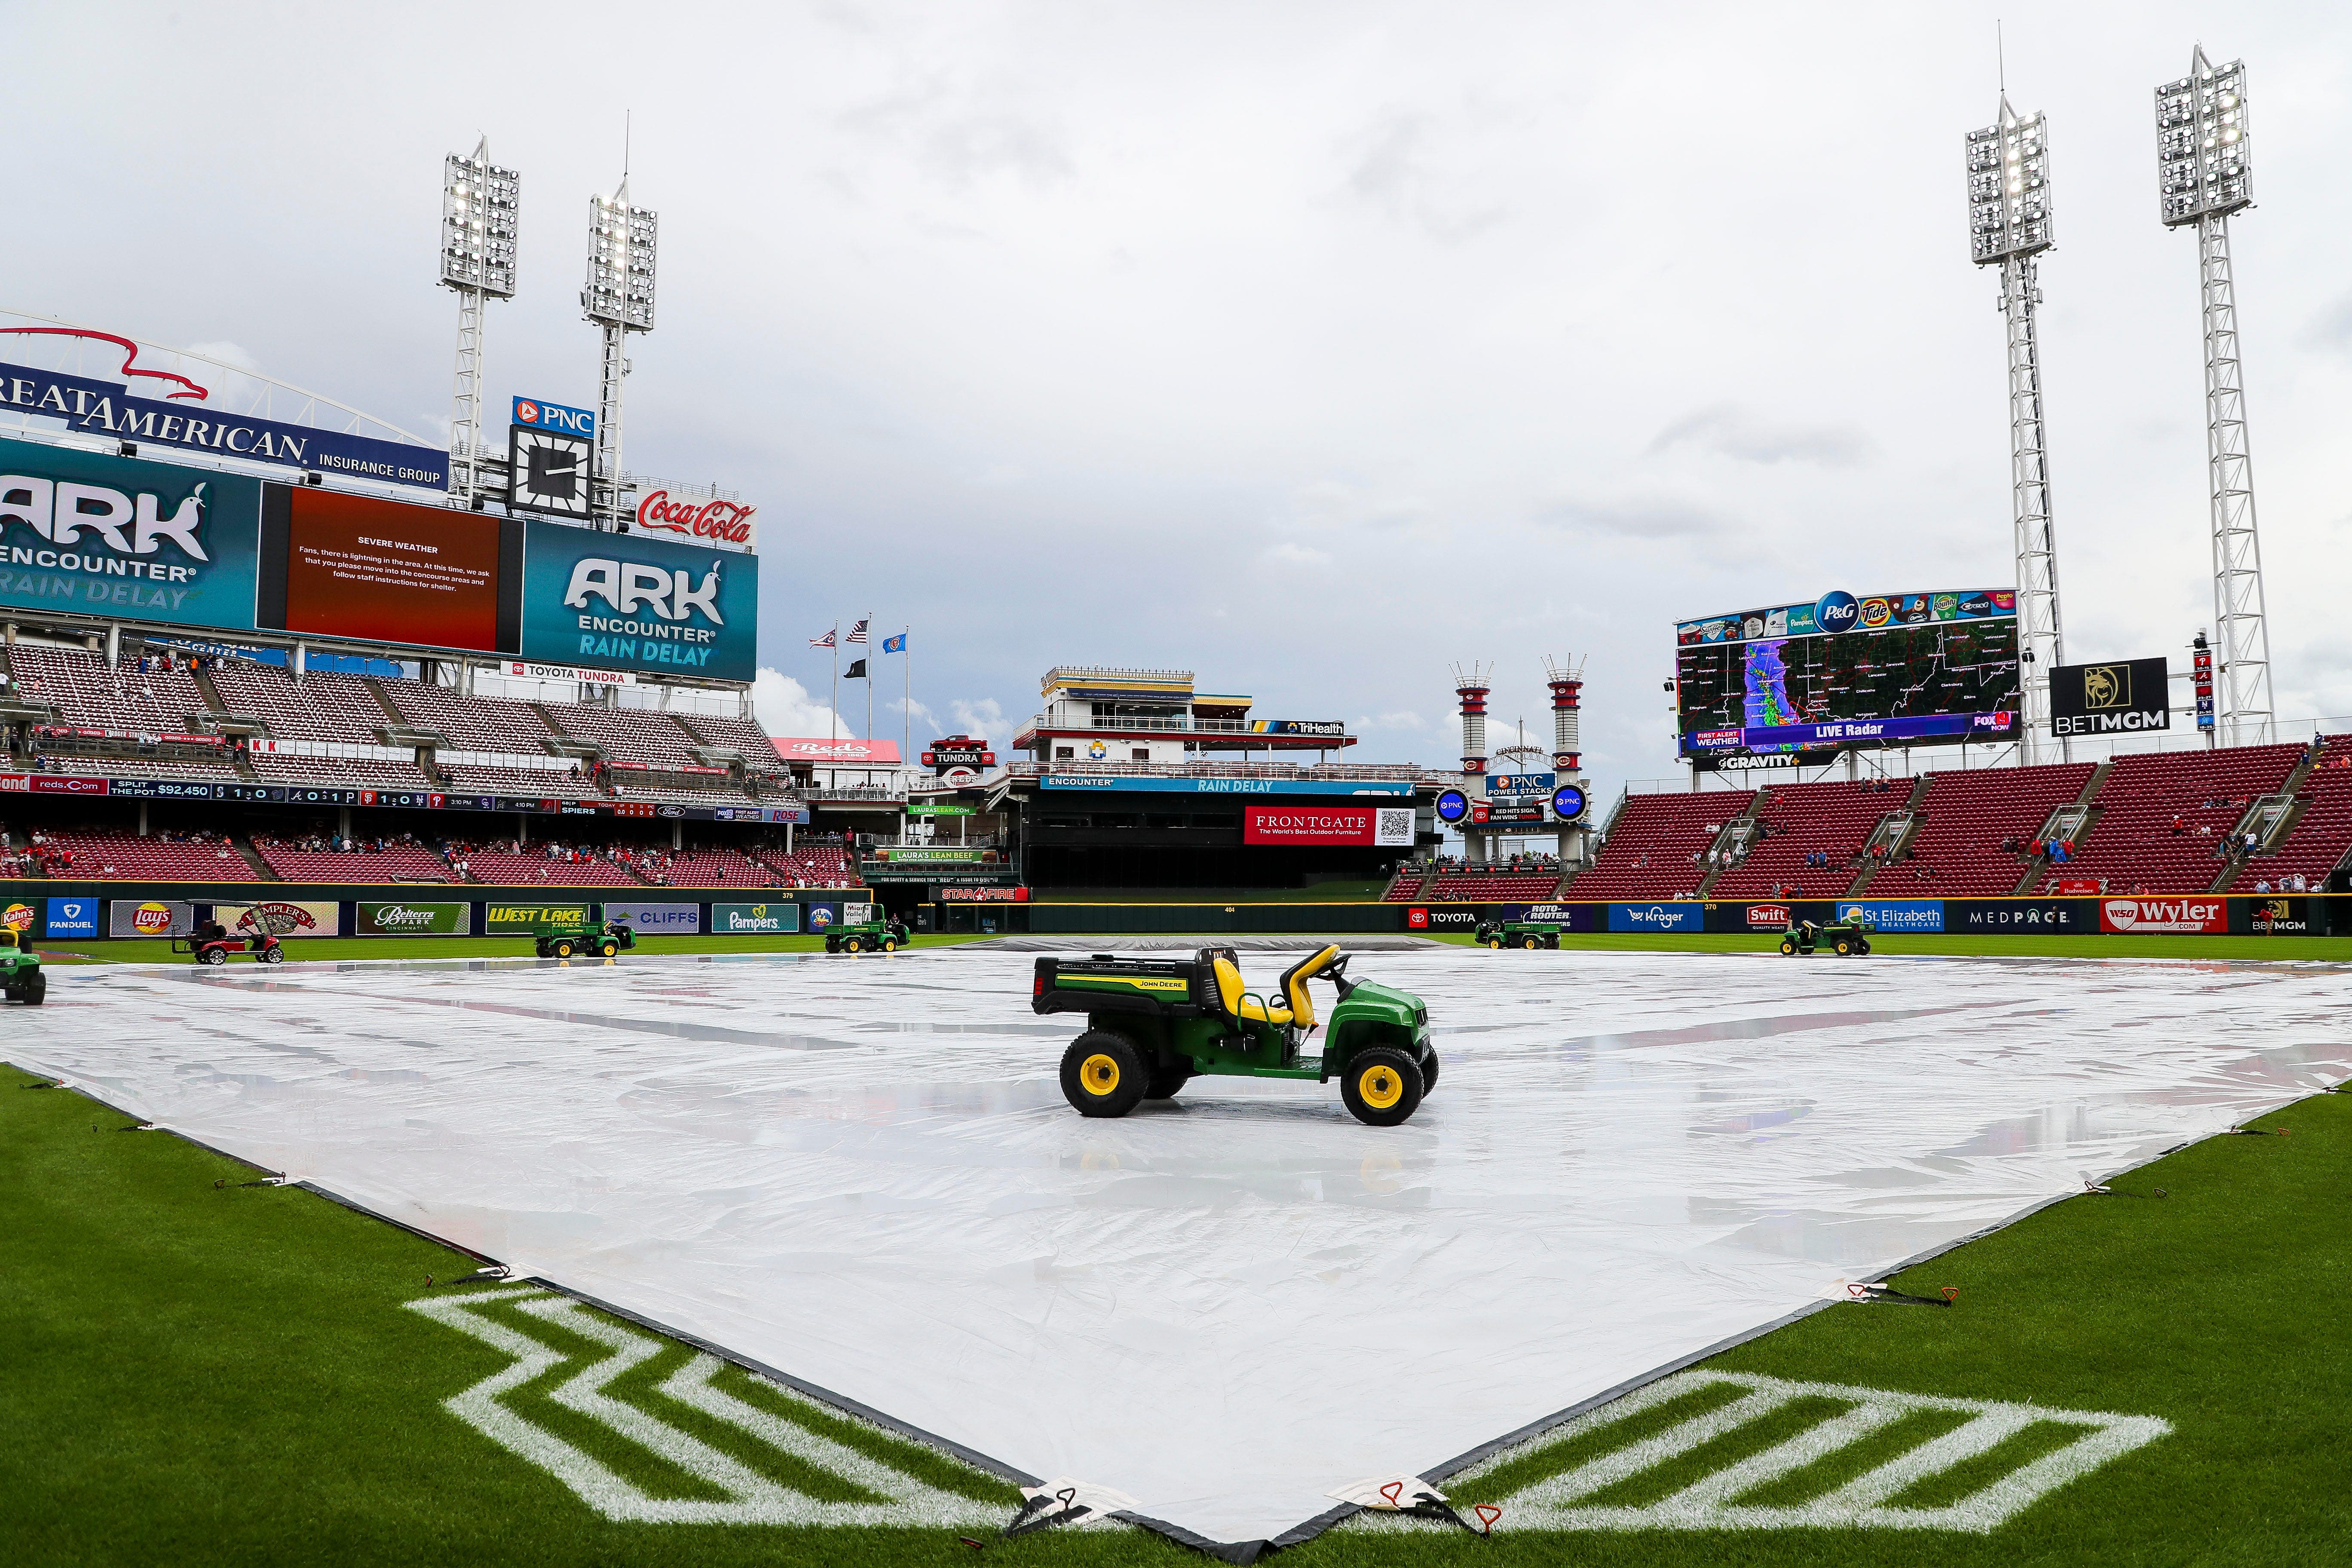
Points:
[1887,670]
[91,534]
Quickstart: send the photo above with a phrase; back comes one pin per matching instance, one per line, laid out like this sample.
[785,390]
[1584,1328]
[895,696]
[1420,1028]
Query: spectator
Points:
[2262,886]
[2179,826]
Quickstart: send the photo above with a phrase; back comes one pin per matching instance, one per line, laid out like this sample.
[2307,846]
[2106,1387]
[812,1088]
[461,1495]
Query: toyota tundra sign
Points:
[1373,825]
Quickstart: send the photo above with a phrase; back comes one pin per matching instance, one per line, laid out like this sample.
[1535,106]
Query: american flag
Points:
[857,633]
[824,641]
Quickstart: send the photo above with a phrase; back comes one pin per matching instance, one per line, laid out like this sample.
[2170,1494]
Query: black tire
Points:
[831,945]
[852,944]
[608,947]
[1495,942]
[213,956]
[542,946]
[1428,1072]
[36,989]
[1102,1075]
[563,949]
[1789,947]
[1552,941]
[889,944]
[273,956]
[1381,1085]
[1531,943]
[1167,1080]
[1843,947]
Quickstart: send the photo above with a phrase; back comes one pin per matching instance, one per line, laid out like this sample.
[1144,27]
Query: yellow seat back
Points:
[1293,985]
[1229,992]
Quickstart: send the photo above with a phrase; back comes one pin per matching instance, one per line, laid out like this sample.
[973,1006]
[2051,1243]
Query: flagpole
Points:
[833,719]
[906,703]
[869,675]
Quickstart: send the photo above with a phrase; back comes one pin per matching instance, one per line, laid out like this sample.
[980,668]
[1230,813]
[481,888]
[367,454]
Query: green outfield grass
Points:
[138,950]
[2334,949]
[203,1374]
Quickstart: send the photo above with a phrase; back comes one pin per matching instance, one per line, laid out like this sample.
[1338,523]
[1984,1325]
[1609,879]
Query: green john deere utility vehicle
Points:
[865,928]
[1153,1024]
[21,979]
[1518,933]
[1849,938]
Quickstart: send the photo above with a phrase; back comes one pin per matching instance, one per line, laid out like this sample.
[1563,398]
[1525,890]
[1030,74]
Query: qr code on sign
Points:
[1394,826]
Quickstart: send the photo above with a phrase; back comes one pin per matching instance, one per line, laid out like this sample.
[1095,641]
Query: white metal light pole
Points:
[2009,226]
[2204,173]
[619,299]
[480,206]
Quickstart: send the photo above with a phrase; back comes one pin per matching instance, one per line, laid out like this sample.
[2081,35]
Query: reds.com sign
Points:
[1326,825]
[724,520]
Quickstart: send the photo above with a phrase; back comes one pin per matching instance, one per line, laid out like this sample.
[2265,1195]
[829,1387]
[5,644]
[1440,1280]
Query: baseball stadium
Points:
[482,1083]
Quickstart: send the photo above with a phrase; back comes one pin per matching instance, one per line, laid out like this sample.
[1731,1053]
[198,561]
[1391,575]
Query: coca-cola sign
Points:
[727,521]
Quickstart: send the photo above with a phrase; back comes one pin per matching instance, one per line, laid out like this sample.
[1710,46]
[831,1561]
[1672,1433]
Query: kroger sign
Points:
[1686,917]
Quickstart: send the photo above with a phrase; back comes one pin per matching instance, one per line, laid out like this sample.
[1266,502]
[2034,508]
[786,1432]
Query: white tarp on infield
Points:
[860,1171]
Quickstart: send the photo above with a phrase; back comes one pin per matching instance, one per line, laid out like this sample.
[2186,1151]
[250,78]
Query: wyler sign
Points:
[2119,698]
[627,602]
[86,533]
[1328,824]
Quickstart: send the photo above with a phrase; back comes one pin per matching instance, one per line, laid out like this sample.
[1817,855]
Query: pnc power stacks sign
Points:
[1368,824]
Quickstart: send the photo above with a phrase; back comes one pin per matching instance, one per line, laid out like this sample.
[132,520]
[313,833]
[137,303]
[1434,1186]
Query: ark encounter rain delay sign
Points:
[2122,698]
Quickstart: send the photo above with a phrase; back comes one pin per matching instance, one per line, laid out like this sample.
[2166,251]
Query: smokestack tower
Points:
[1567,679]
[1471,685]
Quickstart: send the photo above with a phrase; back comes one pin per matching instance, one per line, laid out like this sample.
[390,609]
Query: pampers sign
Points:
[85,534]
[1895,914]
[627,602]
[1675,916]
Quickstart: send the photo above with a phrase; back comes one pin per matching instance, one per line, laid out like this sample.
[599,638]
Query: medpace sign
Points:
[106,409]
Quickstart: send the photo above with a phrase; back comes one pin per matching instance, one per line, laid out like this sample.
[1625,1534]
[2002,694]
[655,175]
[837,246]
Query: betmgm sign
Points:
[2120,699]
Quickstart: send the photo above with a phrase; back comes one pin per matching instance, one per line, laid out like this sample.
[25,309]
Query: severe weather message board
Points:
[1802,680]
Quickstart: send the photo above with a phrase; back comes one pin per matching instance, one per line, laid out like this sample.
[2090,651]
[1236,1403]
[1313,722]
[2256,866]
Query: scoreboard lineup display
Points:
[1804,680]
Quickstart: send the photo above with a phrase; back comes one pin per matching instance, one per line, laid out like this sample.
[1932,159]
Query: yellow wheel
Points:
[1382,1087]
[1789,948]
[562,950]
[889,944]
[851,944]
[1495,942]
[1843,947]
[1102,1075]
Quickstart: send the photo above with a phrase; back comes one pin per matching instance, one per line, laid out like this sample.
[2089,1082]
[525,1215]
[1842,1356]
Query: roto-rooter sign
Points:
[1378,824]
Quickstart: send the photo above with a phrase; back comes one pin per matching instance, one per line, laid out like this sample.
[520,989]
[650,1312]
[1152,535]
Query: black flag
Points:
[854,673]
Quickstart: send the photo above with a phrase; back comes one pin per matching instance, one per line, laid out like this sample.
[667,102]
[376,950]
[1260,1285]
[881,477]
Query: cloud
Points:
[1403,719]
[1646,519]
[1289,554]
[228,354]
[785,708]
[984,718]
[1730,431]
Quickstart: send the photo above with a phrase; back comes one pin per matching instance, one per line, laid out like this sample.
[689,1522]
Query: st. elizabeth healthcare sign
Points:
[85,534]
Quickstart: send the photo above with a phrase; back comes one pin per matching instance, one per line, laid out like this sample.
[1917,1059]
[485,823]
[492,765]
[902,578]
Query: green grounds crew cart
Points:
[579,930]
[864,928]
[1153,1024]
[1847,938]
[21,979]
[1518,933]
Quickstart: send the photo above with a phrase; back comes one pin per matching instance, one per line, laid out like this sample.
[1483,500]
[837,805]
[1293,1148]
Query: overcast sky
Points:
[1312,347]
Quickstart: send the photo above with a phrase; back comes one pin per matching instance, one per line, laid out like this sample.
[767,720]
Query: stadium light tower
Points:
[480,204]
[2009,226]
[619,299]
[2204,173]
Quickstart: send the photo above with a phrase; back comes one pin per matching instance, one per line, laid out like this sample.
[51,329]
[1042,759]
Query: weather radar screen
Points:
[1891,669]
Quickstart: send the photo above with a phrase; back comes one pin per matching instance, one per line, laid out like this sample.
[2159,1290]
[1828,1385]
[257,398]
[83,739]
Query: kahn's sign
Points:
[182,418]
[2124,698]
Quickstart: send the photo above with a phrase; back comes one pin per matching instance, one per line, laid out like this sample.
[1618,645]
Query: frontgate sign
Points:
[528,920]
[754,919]
[86,533]
[414,920]
[627,602]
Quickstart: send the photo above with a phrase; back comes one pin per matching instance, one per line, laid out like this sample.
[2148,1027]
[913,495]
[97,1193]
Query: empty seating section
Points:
[1650,847]
[545,784]
[1834,818]
[716,869]
[320,707]
[2316,844]
[741,734]
[1964,819]
[126,856]
[393,863]
[2131,843]
[1473,885]
[627,734]
[86,693]
[139,767]
[535,867]
[1406,886]
[339,772]
[813,866]
[471,723]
